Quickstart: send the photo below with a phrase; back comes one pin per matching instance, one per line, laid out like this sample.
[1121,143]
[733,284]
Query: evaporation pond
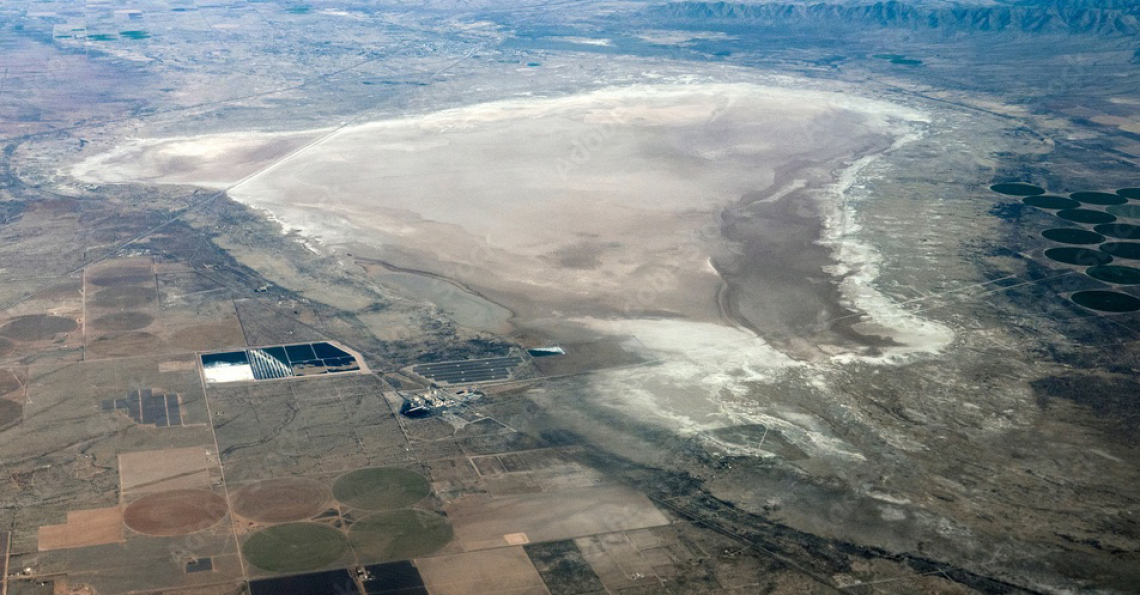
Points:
[300,353]
[327,351]
[231,358]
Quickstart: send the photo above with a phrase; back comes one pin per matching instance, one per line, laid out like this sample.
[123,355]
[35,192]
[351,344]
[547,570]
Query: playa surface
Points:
[701,203]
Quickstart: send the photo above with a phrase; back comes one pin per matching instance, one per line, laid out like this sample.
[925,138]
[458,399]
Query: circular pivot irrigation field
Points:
[1017,189]
[1100,210]
[1106,301]
[129,296]
[122,321]
[1045,201]
[381,488]
[1078,256]
[281,500]
[399,535]
[294,547]
[37,327]
[176,512]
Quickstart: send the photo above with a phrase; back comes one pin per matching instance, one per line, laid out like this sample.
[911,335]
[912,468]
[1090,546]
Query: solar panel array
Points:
[200,565]
[146,407]
[472,370]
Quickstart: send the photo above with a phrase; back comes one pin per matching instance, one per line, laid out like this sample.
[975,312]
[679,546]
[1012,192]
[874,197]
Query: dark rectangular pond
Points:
[393,578]
[329,582]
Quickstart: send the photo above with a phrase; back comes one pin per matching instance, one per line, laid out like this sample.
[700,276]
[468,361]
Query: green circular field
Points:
[1086,216]
[294,547]
[1124,231]
[1106,301]
[1129,250]
[1119,275]
[1129,211]
[399,535]
[1017,189]
[1072,236]
[1078,256]
[1045,201]
[1099,198]
[380,488]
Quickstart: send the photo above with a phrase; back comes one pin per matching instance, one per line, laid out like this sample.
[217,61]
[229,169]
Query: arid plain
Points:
[717,298]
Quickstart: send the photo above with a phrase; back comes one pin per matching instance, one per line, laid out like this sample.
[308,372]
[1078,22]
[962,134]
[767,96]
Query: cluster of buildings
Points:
[436,399]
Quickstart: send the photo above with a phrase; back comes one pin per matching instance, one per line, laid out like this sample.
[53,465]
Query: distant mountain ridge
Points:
[1125,6]
[1028,16]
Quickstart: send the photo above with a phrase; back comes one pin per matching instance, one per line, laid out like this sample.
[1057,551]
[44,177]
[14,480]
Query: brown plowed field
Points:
[281,500]
[177,512]
[83,528]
